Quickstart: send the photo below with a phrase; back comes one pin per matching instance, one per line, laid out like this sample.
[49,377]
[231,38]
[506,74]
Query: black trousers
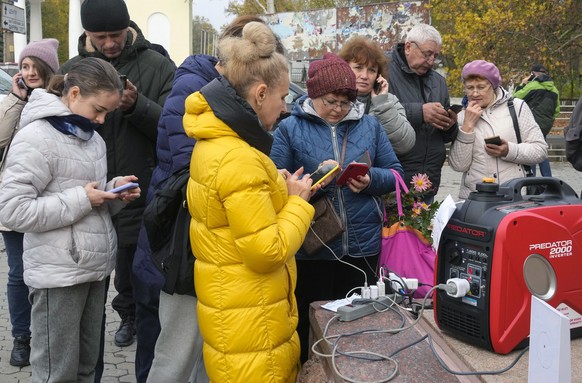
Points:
[328,280]
[124,302]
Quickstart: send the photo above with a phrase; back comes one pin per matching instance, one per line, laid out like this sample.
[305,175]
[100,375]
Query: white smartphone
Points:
[124,187]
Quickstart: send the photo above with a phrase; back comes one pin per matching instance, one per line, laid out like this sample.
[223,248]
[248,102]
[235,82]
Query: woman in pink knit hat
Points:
[38,63]
[489,114]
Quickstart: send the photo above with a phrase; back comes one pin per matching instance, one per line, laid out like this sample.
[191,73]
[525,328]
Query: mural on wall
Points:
[309,35]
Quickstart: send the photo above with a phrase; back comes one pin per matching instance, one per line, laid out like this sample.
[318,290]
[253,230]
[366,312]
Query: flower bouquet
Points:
[406,241]
[416,213]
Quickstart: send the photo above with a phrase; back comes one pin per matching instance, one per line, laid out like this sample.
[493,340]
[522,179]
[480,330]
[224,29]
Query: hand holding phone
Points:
[123,79]
[495,140]
[456,108]
[322,173]
[124,187]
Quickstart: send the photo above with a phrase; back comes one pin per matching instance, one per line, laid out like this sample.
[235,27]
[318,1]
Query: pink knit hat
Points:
[45,50]
[329,75]
[483,69]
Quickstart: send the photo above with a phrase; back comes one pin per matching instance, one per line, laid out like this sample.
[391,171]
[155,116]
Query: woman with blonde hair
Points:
[248,219]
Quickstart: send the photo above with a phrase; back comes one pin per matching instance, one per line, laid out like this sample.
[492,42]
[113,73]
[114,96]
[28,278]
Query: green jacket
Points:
[131,137]
[543,99]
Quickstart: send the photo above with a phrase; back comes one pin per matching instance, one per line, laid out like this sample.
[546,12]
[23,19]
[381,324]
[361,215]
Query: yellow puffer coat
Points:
[245,231]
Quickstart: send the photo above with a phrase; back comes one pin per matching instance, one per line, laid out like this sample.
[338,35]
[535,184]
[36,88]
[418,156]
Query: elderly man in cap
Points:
[542,97]
[130,133]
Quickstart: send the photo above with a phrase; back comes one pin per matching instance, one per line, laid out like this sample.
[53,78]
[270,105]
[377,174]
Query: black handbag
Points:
[325,227]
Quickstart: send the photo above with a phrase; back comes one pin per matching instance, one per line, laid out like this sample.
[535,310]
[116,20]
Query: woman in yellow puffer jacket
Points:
[248,219]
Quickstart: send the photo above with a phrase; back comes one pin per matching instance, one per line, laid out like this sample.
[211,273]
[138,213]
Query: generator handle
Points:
[555,188]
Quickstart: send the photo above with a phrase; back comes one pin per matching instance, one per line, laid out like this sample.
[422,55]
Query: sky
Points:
[213,10]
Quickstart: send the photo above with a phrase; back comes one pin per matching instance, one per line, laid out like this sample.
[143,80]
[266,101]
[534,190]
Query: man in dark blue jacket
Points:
[425,97]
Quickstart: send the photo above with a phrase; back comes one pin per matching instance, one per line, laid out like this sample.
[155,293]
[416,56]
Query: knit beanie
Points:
[329,75]
[104,15]
[45,50]
[483,69]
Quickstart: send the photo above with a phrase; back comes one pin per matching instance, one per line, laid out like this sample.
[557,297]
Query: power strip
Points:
[352,312]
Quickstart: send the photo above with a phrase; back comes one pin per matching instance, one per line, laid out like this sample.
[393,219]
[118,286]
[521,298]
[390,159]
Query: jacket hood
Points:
[501,97]
[135,42]
[199,65]
[40,105]
[400,60]
[545,81]
[218,111]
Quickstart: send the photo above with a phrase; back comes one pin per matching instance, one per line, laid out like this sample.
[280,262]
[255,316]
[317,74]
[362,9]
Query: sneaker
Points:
[125,334]
[20,355]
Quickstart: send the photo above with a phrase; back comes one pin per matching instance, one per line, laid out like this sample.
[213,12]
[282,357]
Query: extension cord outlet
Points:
[352,312]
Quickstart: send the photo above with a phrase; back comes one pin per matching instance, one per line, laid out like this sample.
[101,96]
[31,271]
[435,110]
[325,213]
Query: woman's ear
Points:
[261,93]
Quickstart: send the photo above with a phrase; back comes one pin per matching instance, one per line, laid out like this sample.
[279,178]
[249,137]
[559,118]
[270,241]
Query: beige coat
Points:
[468,151]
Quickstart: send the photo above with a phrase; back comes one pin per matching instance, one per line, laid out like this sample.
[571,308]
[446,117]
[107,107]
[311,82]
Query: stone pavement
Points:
[119,362]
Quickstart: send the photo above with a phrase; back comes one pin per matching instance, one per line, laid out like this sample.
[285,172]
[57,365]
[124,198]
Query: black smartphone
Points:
[495,140]
[377,86]
[456,108]
[21,84]
[123,79]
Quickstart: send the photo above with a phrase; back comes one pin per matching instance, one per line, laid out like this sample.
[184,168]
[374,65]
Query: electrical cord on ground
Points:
[495,372]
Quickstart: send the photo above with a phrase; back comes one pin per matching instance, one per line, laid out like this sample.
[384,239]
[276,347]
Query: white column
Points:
[35,21]
[75,27]
[19,38]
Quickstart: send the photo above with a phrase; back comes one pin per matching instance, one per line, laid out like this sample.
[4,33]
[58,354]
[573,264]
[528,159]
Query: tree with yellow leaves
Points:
[513,35]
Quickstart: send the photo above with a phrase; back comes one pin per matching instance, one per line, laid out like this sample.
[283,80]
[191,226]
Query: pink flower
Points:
[420,182]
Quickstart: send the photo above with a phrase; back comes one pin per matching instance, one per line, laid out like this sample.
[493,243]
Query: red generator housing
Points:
[510,245]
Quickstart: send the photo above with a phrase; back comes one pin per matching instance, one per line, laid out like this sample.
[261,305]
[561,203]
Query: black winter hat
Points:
[539,68]
[104,15]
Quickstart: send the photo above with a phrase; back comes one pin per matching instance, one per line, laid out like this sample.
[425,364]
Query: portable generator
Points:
[510,245]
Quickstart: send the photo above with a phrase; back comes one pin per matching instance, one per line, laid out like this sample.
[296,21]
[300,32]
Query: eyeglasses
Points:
[343,105]
[479,89]
[428,55]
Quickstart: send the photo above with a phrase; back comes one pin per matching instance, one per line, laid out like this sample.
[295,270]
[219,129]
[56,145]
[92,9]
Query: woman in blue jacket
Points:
[314,134]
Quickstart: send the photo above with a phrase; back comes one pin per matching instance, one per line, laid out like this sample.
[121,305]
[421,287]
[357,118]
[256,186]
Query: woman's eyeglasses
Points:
[428,55]
[333,105]
[479,89]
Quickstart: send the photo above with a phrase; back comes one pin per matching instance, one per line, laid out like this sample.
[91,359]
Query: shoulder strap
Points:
[526,168]
[514,118]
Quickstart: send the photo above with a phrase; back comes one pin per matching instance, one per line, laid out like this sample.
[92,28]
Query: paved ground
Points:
[119,361]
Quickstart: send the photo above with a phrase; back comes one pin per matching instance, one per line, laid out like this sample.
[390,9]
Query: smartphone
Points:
[456,108]
[493,140]
[322,173]
[124,187]
[21,84]
[377,86]
[353,170]
[123,79]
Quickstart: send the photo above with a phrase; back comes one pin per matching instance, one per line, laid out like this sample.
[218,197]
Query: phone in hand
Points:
[456,108]
[123,79]
[377,86]
[322,173]
[22,84]
[124,187]
[495,140]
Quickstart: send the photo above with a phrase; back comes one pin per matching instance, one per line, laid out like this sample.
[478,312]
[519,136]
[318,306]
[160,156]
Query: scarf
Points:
[73,125]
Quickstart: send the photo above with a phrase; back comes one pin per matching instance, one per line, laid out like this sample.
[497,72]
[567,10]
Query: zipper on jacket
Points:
[338,194]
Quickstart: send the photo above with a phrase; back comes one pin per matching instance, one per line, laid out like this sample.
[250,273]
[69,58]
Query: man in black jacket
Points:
[573,134]
[130,132]
[425,97]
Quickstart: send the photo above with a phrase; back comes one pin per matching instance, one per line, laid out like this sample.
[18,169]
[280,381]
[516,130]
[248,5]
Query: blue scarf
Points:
[73,125]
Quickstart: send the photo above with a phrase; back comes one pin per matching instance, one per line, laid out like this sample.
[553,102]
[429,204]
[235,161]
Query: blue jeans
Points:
[544,168]
[17,292]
